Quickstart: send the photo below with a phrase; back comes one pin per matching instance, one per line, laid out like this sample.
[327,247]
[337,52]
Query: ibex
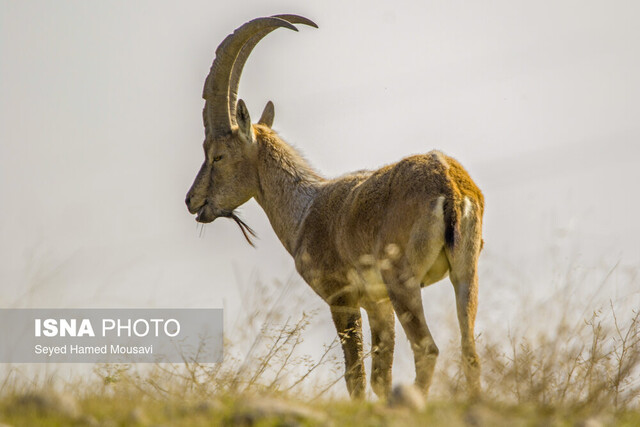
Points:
[369,239]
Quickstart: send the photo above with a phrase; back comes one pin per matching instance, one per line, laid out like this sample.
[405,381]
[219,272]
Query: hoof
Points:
[407,396]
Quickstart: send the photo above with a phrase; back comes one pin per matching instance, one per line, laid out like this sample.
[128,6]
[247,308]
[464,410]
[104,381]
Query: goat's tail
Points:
[452,214]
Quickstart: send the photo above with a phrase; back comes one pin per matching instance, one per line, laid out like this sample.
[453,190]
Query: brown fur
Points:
[369,239]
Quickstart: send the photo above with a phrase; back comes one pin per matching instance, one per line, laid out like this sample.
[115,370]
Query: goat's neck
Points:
[287,187]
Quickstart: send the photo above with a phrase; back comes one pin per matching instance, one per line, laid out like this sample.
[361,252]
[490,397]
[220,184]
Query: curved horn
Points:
[216,86]
[242,57]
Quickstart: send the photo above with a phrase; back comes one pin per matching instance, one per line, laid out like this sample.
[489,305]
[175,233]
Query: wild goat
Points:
[367,239]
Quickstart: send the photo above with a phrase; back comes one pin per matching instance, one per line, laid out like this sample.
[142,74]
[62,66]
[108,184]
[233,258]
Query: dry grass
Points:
[575,372]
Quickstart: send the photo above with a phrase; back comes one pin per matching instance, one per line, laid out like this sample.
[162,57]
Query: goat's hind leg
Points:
[463,258]
[466,289]
[404,292]
[403,282]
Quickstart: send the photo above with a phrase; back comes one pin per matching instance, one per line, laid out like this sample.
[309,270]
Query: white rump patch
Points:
[468,206]
[439,209]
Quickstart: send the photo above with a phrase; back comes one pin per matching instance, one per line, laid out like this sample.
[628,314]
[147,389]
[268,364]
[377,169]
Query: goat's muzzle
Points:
[206,214]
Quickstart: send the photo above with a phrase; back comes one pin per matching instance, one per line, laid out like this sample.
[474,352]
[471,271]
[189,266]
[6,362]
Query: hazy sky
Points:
[101,132]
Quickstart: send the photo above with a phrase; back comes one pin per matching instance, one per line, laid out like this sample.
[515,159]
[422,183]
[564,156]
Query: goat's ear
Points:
[267,115]
[244,121]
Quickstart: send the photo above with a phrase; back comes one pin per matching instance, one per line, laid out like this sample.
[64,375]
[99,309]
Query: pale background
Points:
[100,138]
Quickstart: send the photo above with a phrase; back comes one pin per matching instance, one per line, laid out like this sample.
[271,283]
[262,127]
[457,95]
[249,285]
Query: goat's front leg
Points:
[382,321]
[346,317]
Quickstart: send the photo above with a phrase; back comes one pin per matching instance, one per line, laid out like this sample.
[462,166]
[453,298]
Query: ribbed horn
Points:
[242,57]
[216,86]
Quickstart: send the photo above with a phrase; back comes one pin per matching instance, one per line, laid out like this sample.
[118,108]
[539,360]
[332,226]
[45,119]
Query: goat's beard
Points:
[207,216]
[246,230]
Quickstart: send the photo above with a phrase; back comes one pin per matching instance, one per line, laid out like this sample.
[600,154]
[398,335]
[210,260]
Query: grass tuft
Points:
[582,371]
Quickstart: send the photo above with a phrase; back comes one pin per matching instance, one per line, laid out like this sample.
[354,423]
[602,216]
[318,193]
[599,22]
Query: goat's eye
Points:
[217,158]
